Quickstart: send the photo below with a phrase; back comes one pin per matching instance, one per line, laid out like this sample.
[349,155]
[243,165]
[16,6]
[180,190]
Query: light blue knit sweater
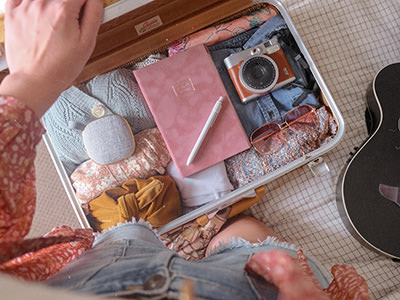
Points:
[117,91]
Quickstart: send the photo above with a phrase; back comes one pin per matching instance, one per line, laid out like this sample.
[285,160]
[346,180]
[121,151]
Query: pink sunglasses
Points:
[260,137]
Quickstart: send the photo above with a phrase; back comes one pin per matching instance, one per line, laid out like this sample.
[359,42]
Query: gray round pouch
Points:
[108,139]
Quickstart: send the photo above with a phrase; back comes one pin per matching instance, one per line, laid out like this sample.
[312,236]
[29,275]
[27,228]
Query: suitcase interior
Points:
[119,44]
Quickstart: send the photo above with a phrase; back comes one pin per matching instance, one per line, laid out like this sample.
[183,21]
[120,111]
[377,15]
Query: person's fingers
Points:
[285,272]
[91,20]
[10,4]
[274,266]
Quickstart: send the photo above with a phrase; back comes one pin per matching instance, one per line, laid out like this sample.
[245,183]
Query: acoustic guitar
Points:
[368,187]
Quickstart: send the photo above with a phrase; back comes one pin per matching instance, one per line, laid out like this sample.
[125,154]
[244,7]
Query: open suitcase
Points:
[133,30]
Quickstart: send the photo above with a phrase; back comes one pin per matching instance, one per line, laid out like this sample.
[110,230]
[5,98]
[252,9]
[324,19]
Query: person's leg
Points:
[140,266]
[245,227]
[253,236]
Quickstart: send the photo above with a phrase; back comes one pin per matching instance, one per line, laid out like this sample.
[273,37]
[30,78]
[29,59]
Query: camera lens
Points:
[258,73]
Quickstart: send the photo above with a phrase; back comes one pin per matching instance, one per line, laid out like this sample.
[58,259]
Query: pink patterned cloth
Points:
[37,259]
[150,158]
[191,239]
[287,145]
[218,33]
[347,284]
[34,259]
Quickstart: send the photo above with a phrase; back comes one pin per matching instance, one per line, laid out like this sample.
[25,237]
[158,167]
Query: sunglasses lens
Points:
[264,131]
[261,138]
[307,121]
[268,144]
[297,113]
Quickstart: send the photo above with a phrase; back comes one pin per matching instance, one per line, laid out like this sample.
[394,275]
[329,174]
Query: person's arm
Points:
[47,43]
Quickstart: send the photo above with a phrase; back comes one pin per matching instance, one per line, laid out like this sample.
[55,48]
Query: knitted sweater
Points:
[117,92]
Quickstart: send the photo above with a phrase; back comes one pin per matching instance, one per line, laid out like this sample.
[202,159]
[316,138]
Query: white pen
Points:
[210,121]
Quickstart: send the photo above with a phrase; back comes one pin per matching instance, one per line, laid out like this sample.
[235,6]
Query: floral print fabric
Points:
[150,158]
[286,145]
[37,259]
[222,32]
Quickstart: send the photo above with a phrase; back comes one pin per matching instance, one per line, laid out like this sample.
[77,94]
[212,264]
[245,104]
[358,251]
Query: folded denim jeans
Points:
[265,31]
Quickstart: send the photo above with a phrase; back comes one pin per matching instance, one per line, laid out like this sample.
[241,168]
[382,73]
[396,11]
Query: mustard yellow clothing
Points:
[155,199]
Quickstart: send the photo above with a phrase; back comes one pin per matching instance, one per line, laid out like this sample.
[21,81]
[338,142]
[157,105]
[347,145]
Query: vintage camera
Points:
[259,70]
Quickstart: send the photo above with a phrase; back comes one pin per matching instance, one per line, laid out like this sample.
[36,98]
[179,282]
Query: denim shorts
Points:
[130,261]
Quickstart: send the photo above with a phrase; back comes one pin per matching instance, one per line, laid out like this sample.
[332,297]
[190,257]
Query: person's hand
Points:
[287,274]
[47,43]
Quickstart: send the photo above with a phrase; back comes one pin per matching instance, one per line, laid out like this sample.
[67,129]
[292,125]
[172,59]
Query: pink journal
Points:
[181,92]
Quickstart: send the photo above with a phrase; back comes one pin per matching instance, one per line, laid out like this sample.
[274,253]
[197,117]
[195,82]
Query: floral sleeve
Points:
[31,259]
[20,132]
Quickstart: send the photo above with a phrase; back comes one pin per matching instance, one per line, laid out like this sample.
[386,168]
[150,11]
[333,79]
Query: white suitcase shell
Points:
[314,159]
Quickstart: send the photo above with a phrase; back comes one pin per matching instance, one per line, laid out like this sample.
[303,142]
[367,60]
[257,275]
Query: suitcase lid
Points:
[137,33]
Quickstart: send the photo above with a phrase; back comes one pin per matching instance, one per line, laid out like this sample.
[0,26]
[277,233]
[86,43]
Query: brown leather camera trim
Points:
[285,73]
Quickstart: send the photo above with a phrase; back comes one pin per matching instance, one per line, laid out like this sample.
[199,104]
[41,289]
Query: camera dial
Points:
[255,51]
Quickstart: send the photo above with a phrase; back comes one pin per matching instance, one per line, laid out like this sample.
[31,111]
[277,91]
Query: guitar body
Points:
[367,186]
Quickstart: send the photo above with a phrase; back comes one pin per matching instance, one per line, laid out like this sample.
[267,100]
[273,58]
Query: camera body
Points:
[259,70]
